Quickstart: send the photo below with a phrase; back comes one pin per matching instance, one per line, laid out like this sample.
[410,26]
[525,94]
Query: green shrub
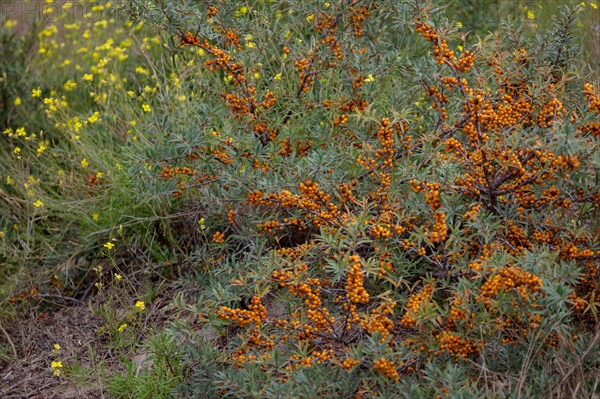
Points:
[414,210]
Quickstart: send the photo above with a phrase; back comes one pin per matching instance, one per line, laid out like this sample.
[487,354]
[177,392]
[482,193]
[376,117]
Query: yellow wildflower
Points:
[94,118]
[41,148]
[38,204]
[109,245]
[56,366]
[140,305]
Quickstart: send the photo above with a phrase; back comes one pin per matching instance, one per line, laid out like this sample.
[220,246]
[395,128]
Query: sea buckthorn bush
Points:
[369,202]
[387,201]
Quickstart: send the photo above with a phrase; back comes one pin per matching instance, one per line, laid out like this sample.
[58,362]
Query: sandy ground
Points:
[30,376]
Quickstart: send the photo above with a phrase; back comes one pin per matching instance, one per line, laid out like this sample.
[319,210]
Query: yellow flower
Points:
[56,366]
[95,217]
[109,245]
[310,18]
[594,6]
[17,101]
[530,14]
[201,224]
[38,204]
[88,76]
[84,162]
[41,148]
[139,305]
[9,180]
[94,118]
[146,108]
[122,327]
[277,77]
[370,78]
[36,93]
[327,4]
[69,85]
[56,347]
[118,277]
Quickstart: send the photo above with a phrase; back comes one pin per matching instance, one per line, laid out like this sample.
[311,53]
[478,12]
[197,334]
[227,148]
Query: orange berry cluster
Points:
[387,368]
[311,292]
[458,313]
[508,279]
[441,51]
[593,100]
[256,313]
[169,172]
[355,290]
[465,62]
[358,15]
[306,77]
[415,304]
[349,363]
[382,167]
[317,357]
[456,345]
[218,238]
[315,203]
[189,39]
[379,321]
[551,112]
